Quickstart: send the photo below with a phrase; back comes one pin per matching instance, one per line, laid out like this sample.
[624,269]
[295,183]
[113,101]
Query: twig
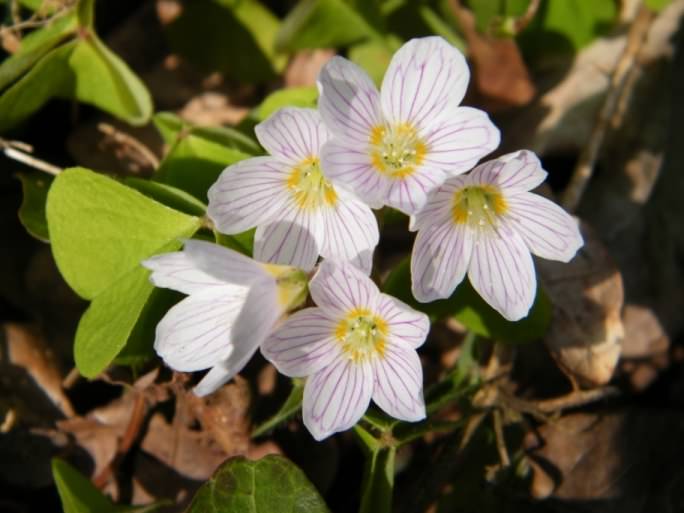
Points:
[130,141]
[523,21]
[500,440]
[575,399]
[29,160]
[585,166]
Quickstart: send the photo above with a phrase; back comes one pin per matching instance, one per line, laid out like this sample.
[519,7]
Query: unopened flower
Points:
[392,147]
[486,224]
[298,212]
[232,305]
[357,344]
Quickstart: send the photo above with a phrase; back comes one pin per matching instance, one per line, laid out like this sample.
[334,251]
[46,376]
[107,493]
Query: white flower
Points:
[298,213]
[357,344]
[232,304]
[393,147]
[486,224]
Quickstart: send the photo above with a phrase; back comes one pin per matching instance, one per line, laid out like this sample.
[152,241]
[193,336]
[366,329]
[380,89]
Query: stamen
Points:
[308,185]
[480,206]
[362,335]
[396,150]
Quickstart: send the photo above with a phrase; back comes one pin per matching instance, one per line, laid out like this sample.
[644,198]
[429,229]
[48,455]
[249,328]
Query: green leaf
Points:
[168,195]
[488,13]
[378,482]
[373,56]
[657,5]
[272,484]
[198,155]
[35,187]
[291,406]
[289,97]
[322,24]
[34,46]
[441,28]
[100,229]
[79,495]
[566,26]
[471,310]
[235,37]
[85,10]
[240,242]
[83,69]
[100,232]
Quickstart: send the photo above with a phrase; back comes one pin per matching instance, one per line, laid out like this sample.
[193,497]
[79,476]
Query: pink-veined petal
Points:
[349,102]
[458,142]
[409,194]
[196,333]
[439,205]
[548,230]
[513,173]
[340,286]
[225,264]
[502,272]
[425,81]
[337,396]
[178,272]
[398,386]
[292,134]
[405,324]
[349,165]
[350,232]
[303,344]
[247,194]
[439,260]
[294,239]
[255,322]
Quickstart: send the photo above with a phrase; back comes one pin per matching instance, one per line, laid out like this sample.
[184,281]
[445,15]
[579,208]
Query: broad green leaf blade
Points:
[34,46]
[322,24]
[291,406]
[272,484]
[470,309]
[290,97]
[240,242]
[196,160]
[35,187]
[48,78]
[378,482]
[168,195]
[79,495]
[235,37]
[109,321]
[100,229]
[105,81]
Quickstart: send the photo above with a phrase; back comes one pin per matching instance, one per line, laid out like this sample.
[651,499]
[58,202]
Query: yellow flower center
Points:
[479,206]
[362,334]
[396,150]
[309,187]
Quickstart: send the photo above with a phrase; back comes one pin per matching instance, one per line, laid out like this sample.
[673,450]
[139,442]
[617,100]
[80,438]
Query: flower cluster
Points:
[409,146]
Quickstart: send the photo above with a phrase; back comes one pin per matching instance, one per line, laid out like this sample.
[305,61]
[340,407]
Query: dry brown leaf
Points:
[27,349]
[587,294]
[304,67]
[98,439]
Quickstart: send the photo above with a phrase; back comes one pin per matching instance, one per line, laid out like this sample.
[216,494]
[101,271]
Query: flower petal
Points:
[458,142]
[426,79]
[195,334]
[225,264]
[546,228]
[407,325]
[247,194]
[440,258]
[339,286]
[349,101]
[502,272]
[303,344]
[349,165]
[350,232]
[178,272]
[295,239]
[409,194]
[292,134]
[337,396]
[439,205]
[515,172]
[398,387]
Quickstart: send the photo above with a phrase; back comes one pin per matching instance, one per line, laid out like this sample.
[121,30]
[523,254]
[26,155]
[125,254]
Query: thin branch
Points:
[31,161]
[618,81]
[128,140]
[501,448]
[523,21]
